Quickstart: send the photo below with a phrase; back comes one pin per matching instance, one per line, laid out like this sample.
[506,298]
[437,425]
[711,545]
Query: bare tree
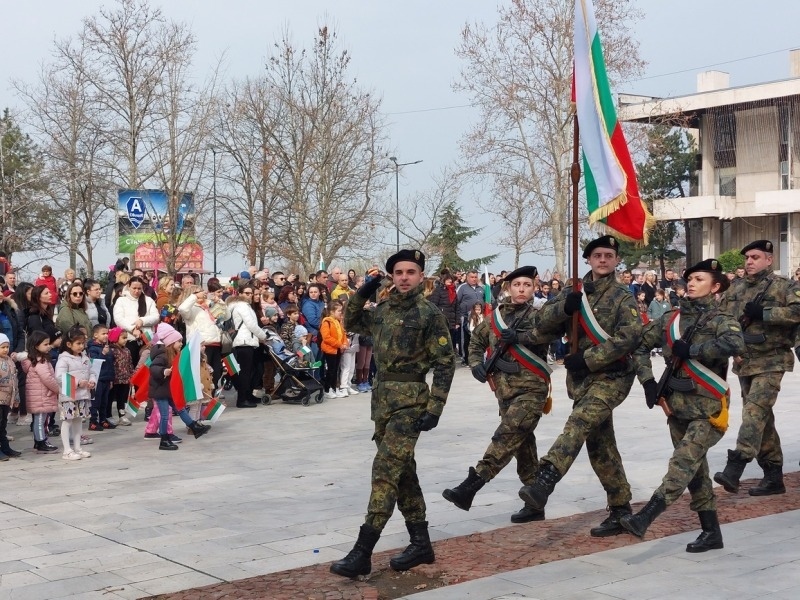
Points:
[519,73]
[322,156]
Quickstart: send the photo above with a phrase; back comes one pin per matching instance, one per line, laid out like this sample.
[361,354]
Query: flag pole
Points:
[575,176]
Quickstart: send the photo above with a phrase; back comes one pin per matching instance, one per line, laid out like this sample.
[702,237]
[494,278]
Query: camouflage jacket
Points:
[781,315]
[410,337]
[712,345]
[509,385]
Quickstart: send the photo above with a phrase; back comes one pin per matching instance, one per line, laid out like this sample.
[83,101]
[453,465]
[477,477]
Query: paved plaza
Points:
[283,487]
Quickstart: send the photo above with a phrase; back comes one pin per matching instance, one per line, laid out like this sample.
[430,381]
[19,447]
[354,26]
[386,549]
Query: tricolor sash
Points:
[589,322]
[526,358]
[701,375]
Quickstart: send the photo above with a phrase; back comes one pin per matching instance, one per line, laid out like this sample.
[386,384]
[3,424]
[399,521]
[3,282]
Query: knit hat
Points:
[113,334]
[270,312]
[244,275]
[4,339]
[167,334]
[300,331]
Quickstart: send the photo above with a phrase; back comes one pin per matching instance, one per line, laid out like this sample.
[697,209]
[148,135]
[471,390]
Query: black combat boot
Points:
[358,561]
[729,477]
[167,444]
[198,429]
[637,524]
[611,524]
[771,484]
[527,514]
[463,494]
[536,494]
[711,538]
[418,552]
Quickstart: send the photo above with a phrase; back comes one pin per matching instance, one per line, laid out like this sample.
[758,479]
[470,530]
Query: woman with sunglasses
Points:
[73,309]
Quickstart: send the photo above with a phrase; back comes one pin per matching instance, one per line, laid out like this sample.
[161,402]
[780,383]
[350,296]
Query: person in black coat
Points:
[444,297]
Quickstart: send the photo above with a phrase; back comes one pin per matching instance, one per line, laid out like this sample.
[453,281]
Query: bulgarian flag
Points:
[612,193]
[231,365]
[141,381]
[213,410]
[69,385]
[184,382]
[487,292]
[132,406]
[321,263]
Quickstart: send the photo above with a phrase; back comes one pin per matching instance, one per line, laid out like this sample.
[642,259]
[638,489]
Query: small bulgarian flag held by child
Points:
[132,407]
[69,385]
[148,335]
[213,410]
[184,383]
[231,365]
[304,352]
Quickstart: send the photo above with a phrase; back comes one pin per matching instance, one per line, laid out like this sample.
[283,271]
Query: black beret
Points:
[605,241]
[414,256]
[528,271]
[710,265]
[763,245]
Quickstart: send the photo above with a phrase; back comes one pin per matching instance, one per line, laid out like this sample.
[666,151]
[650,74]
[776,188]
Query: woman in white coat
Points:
[136,313]
[196,313]
[249,336]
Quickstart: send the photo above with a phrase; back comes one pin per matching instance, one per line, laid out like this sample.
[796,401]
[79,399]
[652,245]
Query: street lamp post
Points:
[397,166]
[214,205]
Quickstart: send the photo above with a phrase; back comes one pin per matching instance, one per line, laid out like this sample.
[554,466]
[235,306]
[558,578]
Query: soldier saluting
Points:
[598,380]
[769,310]
[411,336]
[521,384]
[698,340]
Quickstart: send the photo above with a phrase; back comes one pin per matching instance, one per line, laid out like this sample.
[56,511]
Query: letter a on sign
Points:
[135,211]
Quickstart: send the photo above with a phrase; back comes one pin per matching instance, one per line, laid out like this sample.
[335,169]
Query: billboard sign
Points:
[143,217]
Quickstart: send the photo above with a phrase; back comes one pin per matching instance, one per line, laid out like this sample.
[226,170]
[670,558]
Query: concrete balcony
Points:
[695,207]
[777,202]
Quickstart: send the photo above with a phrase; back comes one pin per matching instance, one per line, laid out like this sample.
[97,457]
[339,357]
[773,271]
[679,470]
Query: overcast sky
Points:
[404,51]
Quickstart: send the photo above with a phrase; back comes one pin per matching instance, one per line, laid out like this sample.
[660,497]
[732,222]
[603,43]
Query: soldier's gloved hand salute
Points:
[753,311]
[426,422]
[509,336]
[479,372]
[573,303]
[650,387]
[371,285]
[575,362]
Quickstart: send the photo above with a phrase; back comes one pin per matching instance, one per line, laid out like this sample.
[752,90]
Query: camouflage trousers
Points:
[758,437]
[688,467]
[394,471]
[591,423]
[514,437]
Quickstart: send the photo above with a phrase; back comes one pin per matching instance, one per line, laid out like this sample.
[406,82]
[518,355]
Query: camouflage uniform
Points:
[763,363]
[597,392]
[411,336]
[689,427]
[521,397]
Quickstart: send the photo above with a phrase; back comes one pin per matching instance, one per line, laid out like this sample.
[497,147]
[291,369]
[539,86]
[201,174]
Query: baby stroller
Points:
[297,384]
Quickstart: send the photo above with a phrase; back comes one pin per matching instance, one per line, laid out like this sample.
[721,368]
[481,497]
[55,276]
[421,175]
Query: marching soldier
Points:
[521,384]
[698,340]
[768,308]
[411,336]
[598,380]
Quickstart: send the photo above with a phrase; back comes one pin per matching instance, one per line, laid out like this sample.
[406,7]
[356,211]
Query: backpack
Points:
[228,331]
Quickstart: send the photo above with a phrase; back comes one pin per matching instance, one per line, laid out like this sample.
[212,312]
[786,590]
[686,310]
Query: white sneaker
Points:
[352,391]
[330,395]
[86,440]
[71,456]
[83,453]
[25,420]
[124,421]
[342,393]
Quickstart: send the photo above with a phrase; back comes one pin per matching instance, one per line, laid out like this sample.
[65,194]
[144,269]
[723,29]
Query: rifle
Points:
[500,349]
[743,319]
[663,390]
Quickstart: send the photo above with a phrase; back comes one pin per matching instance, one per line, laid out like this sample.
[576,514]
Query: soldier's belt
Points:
[680,384]
[754,338]
[403,377]
[506,366]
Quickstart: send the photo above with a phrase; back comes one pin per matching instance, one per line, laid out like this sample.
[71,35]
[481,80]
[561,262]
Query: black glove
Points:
[681,349]
[370,286]
[426,422]
[479,372]
[509,336]
[650,387]
[797,352]
[573,303]
[753,311]
[575,362]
